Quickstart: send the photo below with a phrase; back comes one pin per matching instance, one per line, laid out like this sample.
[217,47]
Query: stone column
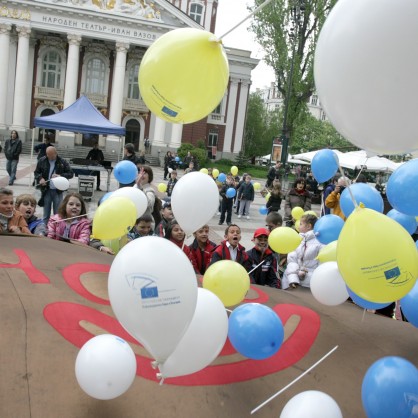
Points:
[158,138]
[4,70]
[230,115]
[113,142]
[242,111]
[176,133]
[67,139]
[22,62]
[71,74]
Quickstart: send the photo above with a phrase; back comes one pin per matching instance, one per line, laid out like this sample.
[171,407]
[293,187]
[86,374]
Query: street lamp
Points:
[296,12]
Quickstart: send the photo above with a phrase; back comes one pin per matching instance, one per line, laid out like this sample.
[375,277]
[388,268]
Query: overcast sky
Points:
[230,12]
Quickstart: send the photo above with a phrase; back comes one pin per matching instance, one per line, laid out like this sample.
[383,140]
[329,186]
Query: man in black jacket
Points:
[12,150]
[96,155]
[47,168]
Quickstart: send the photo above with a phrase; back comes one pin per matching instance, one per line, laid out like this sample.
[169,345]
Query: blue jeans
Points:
[52,198]
[11,167]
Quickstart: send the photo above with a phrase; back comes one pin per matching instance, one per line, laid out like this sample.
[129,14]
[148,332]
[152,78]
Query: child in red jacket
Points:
[201,249]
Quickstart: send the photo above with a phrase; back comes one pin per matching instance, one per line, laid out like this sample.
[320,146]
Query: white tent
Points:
[356,160]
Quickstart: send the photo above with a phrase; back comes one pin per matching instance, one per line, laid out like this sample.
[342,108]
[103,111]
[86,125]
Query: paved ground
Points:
[23,184]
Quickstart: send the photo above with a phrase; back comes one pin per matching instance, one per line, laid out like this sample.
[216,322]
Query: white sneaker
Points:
[239,216]
[248,217]
[219,213]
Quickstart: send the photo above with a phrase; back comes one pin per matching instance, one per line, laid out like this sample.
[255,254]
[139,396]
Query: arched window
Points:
[133,89]
[196,12]
[51,70]
[95,79]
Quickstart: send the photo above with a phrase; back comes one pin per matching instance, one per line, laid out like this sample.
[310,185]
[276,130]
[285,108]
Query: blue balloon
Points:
[255,331]
[177,159]
[221,177]
[263,210]
[363,303]
[125,172]
[407,221]
[231,192]
[390,388]
[328,228]
[409,305]
[104,197]
[402,190]
[324,165]
[363,193]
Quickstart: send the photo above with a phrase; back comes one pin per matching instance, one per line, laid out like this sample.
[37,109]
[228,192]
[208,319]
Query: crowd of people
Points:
[65,217]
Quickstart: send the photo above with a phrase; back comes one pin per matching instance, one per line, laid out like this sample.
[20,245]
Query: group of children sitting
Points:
[263,265]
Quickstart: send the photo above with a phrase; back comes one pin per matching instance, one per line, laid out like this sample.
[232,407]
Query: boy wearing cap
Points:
[263,262]
[166,217]
[172,182]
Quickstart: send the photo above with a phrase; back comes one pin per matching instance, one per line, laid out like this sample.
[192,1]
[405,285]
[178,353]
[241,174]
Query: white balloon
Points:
[136,196]
[61,183]
[105,367]
[153,292]
[327,285]
[203,340]
[366,70]
[194,201]
[311,404]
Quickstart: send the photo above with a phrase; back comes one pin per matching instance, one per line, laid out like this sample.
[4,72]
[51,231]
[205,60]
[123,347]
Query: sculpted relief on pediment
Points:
[138,8]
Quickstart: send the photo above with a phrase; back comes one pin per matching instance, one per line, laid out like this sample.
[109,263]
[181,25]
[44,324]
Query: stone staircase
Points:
[80,151]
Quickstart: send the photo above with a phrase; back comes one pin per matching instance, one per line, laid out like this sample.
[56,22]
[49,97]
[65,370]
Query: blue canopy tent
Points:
[83,117]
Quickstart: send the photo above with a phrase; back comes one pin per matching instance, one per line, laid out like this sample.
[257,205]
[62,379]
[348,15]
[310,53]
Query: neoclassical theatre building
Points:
[54,51]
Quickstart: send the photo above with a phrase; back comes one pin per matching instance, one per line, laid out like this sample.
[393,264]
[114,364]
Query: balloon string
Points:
[294,381]
[258,265]
[73,217]
[364,314]
[248,17]
[361,170]
[347,180]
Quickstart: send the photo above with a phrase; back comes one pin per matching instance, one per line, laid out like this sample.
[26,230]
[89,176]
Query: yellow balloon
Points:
[297,225]
[310,212]
[228,280]
[162,187]
[215,173]
[257,186]
[297,212]
[267,197]
[284,240]
[328,253]
[234,170]
[183,75]
[115,244]
[204,170]
[376,256]
[114,218]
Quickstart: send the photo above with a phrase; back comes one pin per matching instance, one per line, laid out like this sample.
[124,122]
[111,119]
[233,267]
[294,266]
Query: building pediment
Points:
[130,19]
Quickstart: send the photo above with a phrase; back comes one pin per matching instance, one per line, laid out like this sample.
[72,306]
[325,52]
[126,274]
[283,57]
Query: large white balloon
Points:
[194,201]
[366,73]
[105,367]
[311,404]
[135,195]
[327,285]
[153,293]
[61,183]
[203,340]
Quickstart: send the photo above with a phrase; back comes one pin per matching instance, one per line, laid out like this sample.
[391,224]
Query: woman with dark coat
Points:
[297,196]
[167,163]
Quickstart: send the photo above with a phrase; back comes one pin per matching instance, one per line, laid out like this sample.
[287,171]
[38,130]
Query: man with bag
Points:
[47,168]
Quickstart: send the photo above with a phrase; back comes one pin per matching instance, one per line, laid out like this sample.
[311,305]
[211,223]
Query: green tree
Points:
[288,31]
[257,139]
[312,134]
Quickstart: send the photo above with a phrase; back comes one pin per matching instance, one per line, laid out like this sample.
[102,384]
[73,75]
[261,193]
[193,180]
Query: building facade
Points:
[273,100]
[54,51]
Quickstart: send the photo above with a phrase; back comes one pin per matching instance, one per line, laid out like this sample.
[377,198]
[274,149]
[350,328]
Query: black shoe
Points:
[11,183]
[220,223]
[98,189]
[229,223]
